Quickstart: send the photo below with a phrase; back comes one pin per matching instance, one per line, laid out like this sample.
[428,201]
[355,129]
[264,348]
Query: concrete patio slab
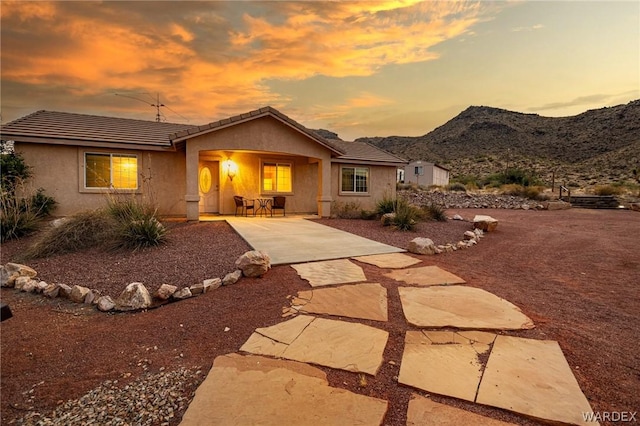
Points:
[460,307]
[451,369]
[365,301]
[296,240]
[391,260]
[250,390]
[330,272]
[336,344]
[425,412]
[425,276]
[532,377]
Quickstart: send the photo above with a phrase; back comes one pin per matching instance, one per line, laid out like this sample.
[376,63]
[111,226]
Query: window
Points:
[276,177]
[418,171]
[355,179]
[119,171]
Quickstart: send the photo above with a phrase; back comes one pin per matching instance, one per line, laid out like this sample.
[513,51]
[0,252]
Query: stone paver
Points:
[365,301]
[532,377]
[460,307]
[337,344]
[330,272]
[451,369]
[424,412]
[425,276]
[391,260]
[251,390]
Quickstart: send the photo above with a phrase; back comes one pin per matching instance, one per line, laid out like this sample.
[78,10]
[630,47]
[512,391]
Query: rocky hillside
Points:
[596,147]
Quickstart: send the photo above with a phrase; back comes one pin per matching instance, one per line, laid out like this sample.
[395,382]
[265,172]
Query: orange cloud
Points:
[102,49]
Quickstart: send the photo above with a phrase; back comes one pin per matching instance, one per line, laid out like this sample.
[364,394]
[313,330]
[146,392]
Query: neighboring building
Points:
[427,174]
[191,170]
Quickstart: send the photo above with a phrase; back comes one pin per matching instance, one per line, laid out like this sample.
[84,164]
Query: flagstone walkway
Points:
[472,363]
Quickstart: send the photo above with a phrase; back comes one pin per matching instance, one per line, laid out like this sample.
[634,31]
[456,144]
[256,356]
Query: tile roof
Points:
[365,152]
[76,129]
[262,112]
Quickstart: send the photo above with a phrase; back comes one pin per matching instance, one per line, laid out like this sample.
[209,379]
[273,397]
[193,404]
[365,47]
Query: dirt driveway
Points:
[575,273]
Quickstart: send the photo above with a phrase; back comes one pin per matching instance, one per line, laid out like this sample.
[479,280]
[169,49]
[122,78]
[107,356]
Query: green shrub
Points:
[457,187]
[607,190]
[41,203]
[406,217]
[14,169]
[140,233]
[368,215]
[386,205]
[531,192]
[434,212]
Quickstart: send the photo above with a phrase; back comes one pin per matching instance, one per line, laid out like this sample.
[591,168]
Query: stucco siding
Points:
[381,184]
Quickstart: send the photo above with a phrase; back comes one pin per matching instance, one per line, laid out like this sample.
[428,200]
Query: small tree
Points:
[13,168]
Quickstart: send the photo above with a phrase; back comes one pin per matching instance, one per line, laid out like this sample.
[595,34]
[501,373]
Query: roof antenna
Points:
[157,105]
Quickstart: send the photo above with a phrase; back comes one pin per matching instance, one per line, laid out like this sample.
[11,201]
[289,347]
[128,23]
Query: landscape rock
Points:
[40,286]
[211,284]
[165,291]
[92,297]
[51,291]
[387,219]
[106,303]
[78,293]
[470,235]
[64,291]
[232,277]
[134,296]
[457,217]
[254,263]
[556,205]
[21,282]
[21,270]
[30,286]
[461,200]
[183,293]
[635,207]
[4,277]
[486,223]
[56,223]
[422,246]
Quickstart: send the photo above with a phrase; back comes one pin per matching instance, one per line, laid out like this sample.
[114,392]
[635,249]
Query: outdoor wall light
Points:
[231,168]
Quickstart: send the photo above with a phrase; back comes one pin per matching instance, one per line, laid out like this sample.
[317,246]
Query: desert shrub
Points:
[406,216]
[368,215]
[386,205]
[607,190]
[80,231]
[406,187]
[42,203]
[531,192]
[17,217]
[434,212]
[348,210]
[15,170]
[456,187]
[140,233]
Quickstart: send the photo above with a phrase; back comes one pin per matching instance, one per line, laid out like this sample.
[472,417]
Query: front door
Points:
[209,186]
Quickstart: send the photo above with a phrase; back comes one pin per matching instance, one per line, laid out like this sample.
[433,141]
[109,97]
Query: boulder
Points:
[30,286]
[183,293]
[165,291]
[21,282]
[92,297]
[51,291]
[4,277]
[422,246]
[556,205]
[134,296]
[41,286]
[470,235]
[78,293]
[65,291]
[387,219]
[457,217]
[232,277]
[56,223]
[254,263]
[211,284]
[21,270]
[106,303]
[486,223]
[479,233]
[197,289]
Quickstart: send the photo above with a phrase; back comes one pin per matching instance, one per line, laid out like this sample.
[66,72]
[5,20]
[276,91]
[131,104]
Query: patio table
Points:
[264,206]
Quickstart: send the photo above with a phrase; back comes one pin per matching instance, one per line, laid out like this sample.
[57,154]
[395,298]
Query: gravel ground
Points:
[573,272]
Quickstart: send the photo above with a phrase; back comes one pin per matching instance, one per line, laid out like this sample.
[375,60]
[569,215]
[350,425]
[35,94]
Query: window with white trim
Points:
[355,179]
[276,177]
[104,170]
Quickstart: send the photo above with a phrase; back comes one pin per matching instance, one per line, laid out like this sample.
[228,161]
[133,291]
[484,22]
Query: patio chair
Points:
[244,204]
[278,204]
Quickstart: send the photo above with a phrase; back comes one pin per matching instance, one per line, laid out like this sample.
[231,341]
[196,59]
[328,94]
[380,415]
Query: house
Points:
[192,170]
[423,173]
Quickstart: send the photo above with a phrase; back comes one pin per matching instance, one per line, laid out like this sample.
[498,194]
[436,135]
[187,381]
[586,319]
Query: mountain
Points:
[597,146]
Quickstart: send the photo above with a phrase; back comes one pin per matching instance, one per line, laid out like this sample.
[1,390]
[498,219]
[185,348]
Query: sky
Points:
[361,68]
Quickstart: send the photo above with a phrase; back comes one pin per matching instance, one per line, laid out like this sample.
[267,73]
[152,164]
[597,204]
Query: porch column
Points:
[192,197]
[324,188]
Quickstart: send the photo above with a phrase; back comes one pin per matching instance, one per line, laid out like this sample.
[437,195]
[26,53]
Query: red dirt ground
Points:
[576,273]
